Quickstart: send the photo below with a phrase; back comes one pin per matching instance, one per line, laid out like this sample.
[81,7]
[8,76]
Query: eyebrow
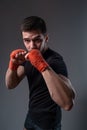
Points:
[38,36]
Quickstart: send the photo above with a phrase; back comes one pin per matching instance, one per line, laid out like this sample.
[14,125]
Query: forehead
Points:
[32,34]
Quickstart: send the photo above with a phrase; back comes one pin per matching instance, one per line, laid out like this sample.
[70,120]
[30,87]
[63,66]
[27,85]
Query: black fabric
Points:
[42,109]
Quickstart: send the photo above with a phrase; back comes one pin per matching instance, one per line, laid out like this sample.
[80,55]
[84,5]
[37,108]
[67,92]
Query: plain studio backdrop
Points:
[67,28]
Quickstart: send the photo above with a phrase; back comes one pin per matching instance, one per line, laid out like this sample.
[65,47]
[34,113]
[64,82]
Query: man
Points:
[49,86]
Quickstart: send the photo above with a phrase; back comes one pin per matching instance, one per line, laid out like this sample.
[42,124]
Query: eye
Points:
[26,40]
[38,40]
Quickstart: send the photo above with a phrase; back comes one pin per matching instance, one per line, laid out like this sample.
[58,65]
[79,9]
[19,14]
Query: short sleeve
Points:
[59,66]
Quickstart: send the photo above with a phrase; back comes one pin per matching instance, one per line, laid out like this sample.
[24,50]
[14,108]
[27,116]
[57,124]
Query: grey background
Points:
[67,29]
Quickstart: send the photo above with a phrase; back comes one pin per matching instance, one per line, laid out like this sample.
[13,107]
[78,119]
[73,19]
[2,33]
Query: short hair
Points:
[34,23]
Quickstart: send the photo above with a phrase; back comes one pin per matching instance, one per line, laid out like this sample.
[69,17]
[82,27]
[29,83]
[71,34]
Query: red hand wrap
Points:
[37,60]
[12,65]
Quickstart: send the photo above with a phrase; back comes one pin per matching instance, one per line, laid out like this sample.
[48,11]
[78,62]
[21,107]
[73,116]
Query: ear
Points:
[46,38]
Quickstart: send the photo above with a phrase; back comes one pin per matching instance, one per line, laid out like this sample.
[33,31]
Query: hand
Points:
[17,57]
[36,60]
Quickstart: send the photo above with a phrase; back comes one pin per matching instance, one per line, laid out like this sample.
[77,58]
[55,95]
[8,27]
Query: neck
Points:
[45,48]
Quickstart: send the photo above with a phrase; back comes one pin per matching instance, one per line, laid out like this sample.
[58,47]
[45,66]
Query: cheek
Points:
[26,45]
[42,46]
[39,45]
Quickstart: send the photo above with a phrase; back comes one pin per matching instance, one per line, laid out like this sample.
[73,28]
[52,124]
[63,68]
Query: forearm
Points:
[59,89]
[58,86]
[15,71]
[11,79]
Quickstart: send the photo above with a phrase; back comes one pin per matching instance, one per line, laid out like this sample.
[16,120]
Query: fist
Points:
[18,56]
[36,60]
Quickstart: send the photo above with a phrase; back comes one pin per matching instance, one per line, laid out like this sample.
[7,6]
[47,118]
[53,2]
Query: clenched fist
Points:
[36,59]
[17,57]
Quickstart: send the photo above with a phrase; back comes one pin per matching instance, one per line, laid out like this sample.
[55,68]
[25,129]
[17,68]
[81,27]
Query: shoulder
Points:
[56,61]
[52,56]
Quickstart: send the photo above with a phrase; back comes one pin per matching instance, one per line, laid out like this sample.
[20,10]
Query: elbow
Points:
[70,103]
[65,104]
[9,85]
[68,106]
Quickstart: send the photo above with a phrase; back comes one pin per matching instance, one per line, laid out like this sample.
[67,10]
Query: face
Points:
[35,40]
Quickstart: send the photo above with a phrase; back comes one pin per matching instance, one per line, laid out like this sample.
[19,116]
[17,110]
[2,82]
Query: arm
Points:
[60,87]
[13,78]
[15,72]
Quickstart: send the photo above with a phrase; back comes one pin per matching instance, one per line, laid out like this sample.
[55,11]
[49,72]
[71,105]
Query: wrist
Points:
[42,66]
[13,66]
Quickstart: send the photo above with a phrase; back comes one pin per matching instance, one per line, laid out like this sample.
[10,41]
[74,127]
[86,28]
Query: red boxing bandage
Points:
[37,60]
[14,65]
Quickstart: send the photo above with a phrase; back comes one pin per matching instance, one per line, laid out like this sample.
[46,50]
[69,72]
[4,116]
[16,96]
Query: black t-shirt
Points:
[42,109]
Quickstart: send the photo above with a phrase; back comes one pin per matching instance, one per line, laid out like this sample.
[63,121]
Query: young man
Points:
[49,86]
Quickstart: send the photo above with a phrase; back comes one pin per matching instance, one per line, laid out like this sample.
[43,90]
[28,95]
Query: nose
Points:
[32,45]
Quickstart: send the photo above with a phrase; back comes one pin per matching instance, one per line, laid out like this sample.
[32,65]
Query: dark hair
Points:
[33,23]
